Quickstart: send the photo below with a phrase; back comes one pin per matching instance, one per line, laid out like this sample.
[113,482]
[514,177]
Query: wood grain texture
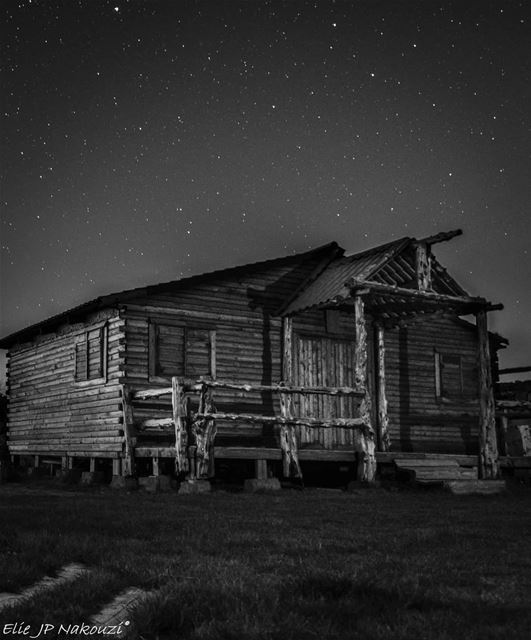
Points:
[488,448]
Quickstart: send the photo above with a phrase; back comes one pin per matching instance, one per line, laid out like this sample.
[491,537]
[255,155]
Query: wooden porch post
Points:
[128,462]
[365,437]
[288,434]
[384,440]
[179,421]
[488,447]
[204,430]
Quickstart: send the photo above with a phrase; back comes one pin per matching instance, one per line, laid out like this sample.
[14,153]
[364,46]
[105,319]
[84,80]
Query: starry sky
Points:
[144,141]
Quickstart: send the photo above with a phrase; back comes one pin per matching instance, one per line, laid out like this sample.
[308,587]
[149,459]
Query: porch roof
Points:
[394,304]
[330,288]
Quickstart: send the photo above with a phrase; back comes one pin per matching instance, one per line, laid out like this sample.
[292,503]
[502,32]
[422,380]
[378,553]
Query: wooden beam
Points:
[444,236]
[384,440]
[288,435]
[193,386]
[364,440]
[288,439]
[179,422]
[287,350]
[488,448]
[204,433]
[357,286]
[128,463]
[344,423]
[423,266]
[511,405]
[212,336]
[514,370]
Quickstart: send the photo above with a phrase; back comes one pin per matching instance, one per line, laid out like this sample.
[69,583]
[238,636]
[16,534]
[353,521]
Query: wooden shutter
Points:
[169,349]
[200,353]
[449,375]
[90,355]
[81,361]
[95,354]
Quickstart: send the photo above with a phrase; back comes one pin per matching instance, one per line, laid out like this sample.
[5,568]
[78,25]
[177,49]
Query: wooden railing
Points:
[195,431]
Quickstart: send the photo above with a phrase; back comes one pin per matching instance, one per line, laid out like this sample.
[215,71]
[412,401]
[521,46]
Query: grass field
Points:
[314,564]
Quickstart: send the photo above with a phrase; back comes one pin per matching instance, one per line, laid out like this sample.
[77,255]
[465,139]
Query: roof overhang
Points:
[389,300]
[394,306]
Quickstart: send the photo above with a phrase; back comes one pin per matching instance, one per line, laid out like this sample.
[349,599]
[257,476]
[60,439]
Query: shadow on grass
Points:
[321,606]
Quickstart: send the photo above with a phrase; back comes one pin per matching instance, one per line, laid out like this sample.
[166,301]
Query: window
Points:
[181,351]
[455,376]
[332,321]
[90,355]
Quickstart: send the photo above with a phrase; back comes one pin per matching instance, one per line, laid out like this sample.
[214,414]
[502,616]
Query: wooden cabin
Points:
[370,351]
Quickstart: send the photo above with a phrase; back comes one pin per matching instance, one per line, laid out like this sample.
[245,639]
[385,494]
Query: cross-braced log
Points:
[488,448]
[204,433]
[364,439]
[288,440]
[179,412]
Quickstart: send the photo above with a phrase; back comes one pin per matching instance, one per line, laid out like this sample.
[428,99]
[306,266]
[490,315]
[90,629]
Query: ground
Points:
[310,564]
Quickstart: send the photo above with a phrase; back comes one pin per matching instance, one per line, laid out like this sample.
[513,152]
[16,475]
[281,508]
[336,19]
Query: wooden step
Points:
[480,487]
[430,471]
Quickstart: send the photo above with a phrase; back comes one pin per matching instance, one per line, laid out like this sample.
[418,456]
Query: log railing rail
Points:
[195,431]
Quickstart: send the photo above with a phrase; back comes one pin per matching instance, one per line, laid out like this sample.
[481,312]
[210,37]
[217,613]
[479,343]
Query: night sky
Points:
[146,141]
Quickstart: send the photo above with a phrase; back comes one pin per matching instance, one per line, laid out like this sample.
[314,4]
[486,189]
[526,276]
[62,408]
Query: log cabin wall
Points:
[235,314]
[324,347]
[49,412]
[432,386]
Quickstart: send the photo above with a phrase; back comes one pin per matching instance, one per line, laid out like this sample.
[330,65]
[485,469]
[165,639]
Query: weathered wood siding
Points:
[238,311]
[324,356]
[49,412]
[418,420]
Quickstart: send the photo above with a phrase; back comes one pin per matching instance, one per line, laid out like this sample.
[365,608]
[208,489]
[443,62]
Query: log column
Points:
[204,432]
[179,421]
[128,454]
[384,440]
[488,448]
[288,434]
[364,438]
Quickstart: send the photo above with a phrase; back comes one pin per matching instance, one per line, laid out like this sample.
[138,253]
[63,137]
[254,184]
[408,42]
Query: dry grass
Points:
[296,565]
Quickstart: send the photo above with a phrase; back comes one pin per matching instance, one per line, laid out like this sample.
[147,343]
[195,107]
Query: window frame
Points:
[83,338]
[154,373]
[440,394]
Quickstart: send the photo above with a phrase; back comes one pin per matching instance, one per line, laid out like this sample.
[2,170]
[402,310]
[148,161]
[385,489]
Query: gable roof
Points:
[391,263]
[327,282]
[322,256]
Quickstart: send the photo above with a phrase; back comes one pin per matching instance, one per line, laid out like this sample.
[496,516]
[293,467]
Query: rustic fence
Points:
[195,431]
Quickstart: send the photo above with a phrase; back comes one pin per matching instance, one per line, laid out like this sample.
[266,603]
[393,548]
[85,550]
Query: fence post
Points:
[489,467]
[205,433]
[288,432]
[365,444]
[179,421]
[288,439]
[384,441]
[128,462]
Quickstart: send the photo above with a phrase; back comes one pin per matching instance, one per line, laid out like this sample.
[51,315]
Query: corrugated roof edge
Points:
[113,299]
[314,275]
[387,250]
